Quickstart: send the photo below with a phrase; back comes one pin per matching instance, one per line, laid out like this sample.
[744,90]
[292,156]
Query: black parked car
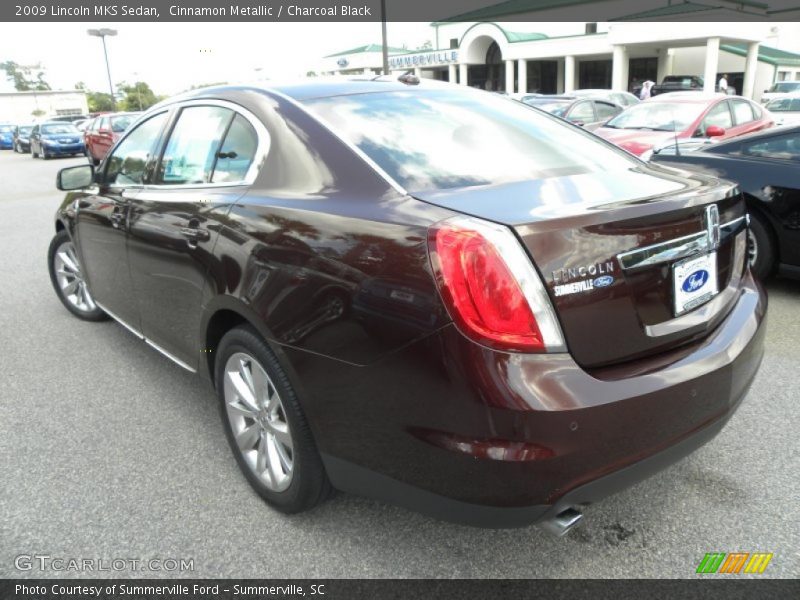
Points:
[420,292]
[22,138]
[767,167]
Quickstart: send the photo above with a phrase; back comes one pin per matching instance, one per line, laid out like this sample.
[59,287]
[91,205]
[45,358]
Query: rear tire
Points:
[266,428]
[67,278]
[761,248]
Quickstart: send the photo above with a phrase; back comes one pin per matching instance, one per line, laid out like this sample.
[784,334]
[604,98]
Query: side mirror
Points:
[715,131]
[75,178]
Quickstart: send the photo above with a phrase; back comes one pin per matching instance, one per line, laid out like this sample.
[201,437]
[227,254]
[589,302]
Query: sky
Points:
[171,57]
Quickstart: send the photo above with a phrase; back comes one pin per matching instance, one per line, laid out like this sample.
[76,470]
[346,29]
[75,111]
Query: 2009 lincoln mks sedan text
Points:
[420,292]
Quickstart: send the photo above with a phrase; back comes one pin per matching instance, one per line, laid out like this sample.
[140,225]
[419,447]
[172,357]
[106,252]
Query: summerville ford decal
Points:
[599,277]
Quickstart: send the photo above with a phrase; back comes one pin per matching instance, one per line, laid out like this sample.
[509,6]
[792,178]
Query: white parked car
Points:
[780,89]
[786,110]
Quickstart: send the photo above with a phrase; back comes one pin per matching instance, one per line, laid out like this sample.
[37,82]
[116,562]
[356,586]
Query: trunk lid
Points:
[598,239]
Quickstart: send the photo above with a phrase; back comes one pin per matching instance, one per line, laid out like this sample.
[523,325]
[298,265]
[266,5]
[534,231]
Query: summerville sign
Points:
[438,57]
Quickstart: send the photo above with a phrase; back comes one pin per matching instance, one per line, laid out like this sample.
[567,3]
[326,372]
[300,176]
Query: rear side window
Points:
[742,112]
[438,139]
[237,152]
[782,147]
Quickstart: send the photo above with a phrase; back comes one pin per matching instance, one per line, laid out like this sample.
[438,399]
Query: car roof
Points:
[323,87]
[687,97]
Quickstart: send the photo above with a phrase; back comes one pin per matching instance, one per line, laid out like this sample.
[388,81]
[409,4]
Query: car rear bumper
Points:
[471,435]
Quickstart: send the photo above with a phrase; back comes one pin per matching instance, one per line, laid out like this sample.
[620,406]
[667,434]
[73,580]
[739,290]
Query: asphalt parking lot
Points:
[111,451]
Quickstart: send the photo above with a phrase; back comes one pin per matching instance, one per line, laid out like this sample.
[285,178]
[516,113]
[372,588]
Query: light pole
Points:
[102,33]
[385,47]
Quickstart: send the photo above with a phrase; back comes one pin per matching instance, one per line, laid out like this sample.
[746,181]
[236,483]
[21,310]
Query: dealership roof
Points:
[766,54]
[515,7]
[367,48]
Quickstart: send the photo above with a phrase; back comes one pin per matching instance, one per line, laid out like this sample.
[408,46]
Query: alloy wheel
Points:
[258,421]
[70,278]
[752,247]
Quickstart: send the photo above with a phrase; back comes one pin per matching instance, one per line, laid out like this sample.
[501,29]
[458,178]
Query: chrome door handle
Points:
[195,235]
[116,219]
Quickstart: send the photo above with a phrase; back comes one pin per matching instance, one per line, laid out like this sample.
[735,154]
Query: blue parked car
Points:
[55,139]
[6,136]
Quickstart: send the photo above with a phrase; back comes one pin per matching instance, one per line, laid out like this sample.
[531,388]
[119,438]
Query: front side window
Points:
[784,105]
[128,161]
[783,147]
[581,113]
[719,115]
[438,139]
[194,145]
[657,116]
[605,110]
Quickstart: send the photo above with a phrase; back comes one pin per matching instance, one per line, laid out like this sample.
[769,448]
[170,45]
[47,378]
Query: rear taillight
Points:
[490,287]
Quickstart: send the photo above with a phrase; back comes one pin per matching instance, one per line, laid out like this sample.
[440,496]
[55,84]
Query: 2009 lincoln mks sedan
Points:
[420,292]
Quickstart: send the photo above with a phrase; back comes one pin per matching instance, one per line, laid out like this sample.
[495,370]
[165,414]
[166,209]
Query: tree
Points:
[427,45]
[99,102]
[24,78]
[311,73]
[137,96]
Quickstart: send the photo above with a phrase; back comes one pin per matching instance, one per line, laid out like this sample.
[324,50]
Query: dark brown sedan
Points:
[420,292]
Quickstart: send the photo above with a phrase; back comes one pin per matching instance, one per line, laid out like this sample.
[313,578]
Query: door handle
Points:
[116,219]
[194,234]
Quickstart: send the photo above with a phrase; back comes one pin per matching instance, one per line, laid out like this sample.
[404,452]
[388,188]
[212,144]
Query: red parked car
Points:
[103,132]
[645,127]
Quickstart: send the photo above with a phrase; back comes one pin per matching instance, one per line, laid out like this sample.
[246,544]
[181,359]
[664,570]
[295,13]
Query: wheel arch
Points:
[754,205]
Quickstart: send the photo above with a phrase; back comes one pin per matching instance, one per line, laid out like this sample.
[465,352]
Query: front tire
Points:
[761,249]
[265,425]
[66,276]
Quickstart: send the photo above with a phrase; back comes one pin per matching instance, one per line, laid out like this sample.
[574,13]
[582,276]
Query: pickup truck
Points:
[678,83]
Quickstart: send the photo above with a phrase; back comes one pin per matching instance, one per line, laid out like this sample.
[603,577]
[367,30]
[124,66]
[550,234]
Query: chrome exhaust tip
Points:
[563,522]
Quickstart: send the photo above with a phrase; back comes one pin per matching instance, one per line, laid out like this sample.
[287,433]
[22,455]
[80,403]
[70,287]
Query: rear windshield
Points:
[122,122]
[26,130]
[438,139]
[59,128]
[5,129]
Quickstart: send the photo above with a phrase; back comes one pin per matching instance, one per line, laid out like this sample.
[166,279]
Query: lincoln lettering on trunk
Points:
[569,273]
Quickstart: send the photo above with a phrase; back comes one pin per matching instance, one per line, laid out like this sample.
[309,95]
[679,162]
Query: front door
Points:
[174,222]
[102,216]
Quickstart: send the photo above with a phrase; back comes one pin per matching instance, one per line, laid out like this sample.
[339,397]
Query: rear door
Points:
[206,164]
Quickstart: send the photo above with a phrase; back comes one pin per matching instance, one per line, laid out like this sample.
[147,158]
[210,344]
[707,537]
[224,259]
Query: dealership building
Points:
[558,57]
[25,107]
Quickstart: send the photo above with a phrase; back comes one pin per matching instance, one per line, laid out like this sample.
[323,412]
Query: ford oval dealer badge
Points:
[694,282]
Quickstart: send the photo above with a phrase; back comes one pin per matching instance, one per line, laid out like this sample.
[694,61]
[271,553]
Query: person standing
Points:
[646,87]
[723,83]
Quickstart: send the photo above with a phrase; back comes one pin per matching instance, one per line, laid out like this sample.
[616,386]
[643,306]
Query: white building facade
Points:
[555,58]
[26,107]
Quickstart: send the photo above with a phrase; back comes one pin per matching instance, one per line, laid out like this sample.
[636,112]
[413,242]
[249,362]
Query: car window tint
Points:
[193,145]
[581,113]
[126,164]
[742,112]
[720,116]
[784,147]
[439,139]
[605,110]
[237,152]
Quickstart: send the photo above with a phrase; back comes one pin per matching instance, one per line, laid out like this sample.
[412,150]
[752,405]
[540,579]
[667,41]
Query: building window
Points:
[594,74]
[453,43]
[783,75]
[591,28]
